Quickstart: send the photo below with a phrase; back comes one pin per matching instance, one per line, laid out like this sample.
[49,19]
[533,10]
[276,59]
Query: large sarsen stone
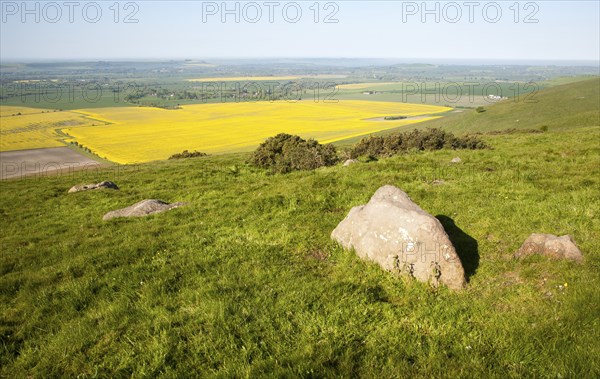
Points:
[563,247]
[87,187]
[401,237]
[143,208]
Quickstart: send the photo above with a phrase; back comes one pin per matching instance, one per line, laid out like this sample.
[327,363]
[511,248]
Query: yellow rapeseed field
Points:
[138,134]
[30,128]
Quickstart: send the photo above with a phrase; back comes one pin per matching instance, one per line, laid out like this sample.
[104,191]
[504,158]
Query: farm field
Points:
[7,110]
[265,78]
[30,128]
[244,78]
[135,134]
[464,94]
[367,85]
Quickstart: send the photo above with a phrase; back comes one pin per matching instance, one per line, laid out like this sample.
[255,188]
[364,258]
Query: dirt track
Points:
[55,160]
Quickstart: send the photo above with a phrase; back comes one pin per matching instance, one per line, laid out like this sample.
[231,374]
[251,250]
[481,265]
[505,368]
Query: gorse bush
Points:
[471,142]
[369,147]
[416,140]
[188,154]
[284,153]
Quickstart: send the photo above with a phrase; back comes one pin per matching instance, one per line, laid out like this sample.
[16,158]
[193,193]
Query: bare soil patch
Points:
[19,163]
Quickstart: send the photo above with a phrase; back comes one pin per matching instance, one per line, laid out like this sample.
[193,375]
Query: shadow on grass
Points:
[465,245]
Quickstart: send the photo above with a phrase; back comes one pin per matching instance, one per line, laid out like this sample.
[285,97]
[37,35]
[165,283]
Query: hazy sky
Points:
[555,30]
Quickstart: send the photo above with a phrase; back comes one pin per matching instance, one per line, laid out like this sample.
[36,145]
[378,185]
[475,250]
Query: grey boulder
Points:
[397,234]
[550,245]
[87,187]
[143,208]
[350,162]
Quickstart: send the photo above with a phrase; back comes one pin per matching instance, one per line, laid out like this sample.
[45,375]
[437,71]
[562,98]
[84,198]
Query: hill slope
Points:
[246,282]
[563,107]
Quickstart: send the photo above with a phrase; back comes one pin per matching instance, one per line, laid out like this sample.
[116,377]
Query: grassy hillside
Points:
[562,107]
[245,282]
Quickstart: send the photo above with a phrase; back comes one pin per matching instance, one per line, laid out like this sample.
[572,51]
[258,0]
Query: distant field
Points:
[145,134]
[461,93]
[366,85]
[7,111]
[31,128]
[265,78]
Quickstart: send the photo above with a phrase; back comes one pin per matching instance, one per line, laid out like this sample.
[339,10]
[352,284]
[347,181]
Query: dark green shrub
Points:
[480,110]
[392,144]
[188,154]
[470,142]
[284,153]
[370,146]
[431,139]
[416,140]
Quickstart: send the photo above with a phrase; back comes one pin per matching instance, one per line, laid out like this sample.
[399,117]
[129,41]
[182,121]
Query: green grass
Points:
[561,107]
[557,81]
[245,281]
